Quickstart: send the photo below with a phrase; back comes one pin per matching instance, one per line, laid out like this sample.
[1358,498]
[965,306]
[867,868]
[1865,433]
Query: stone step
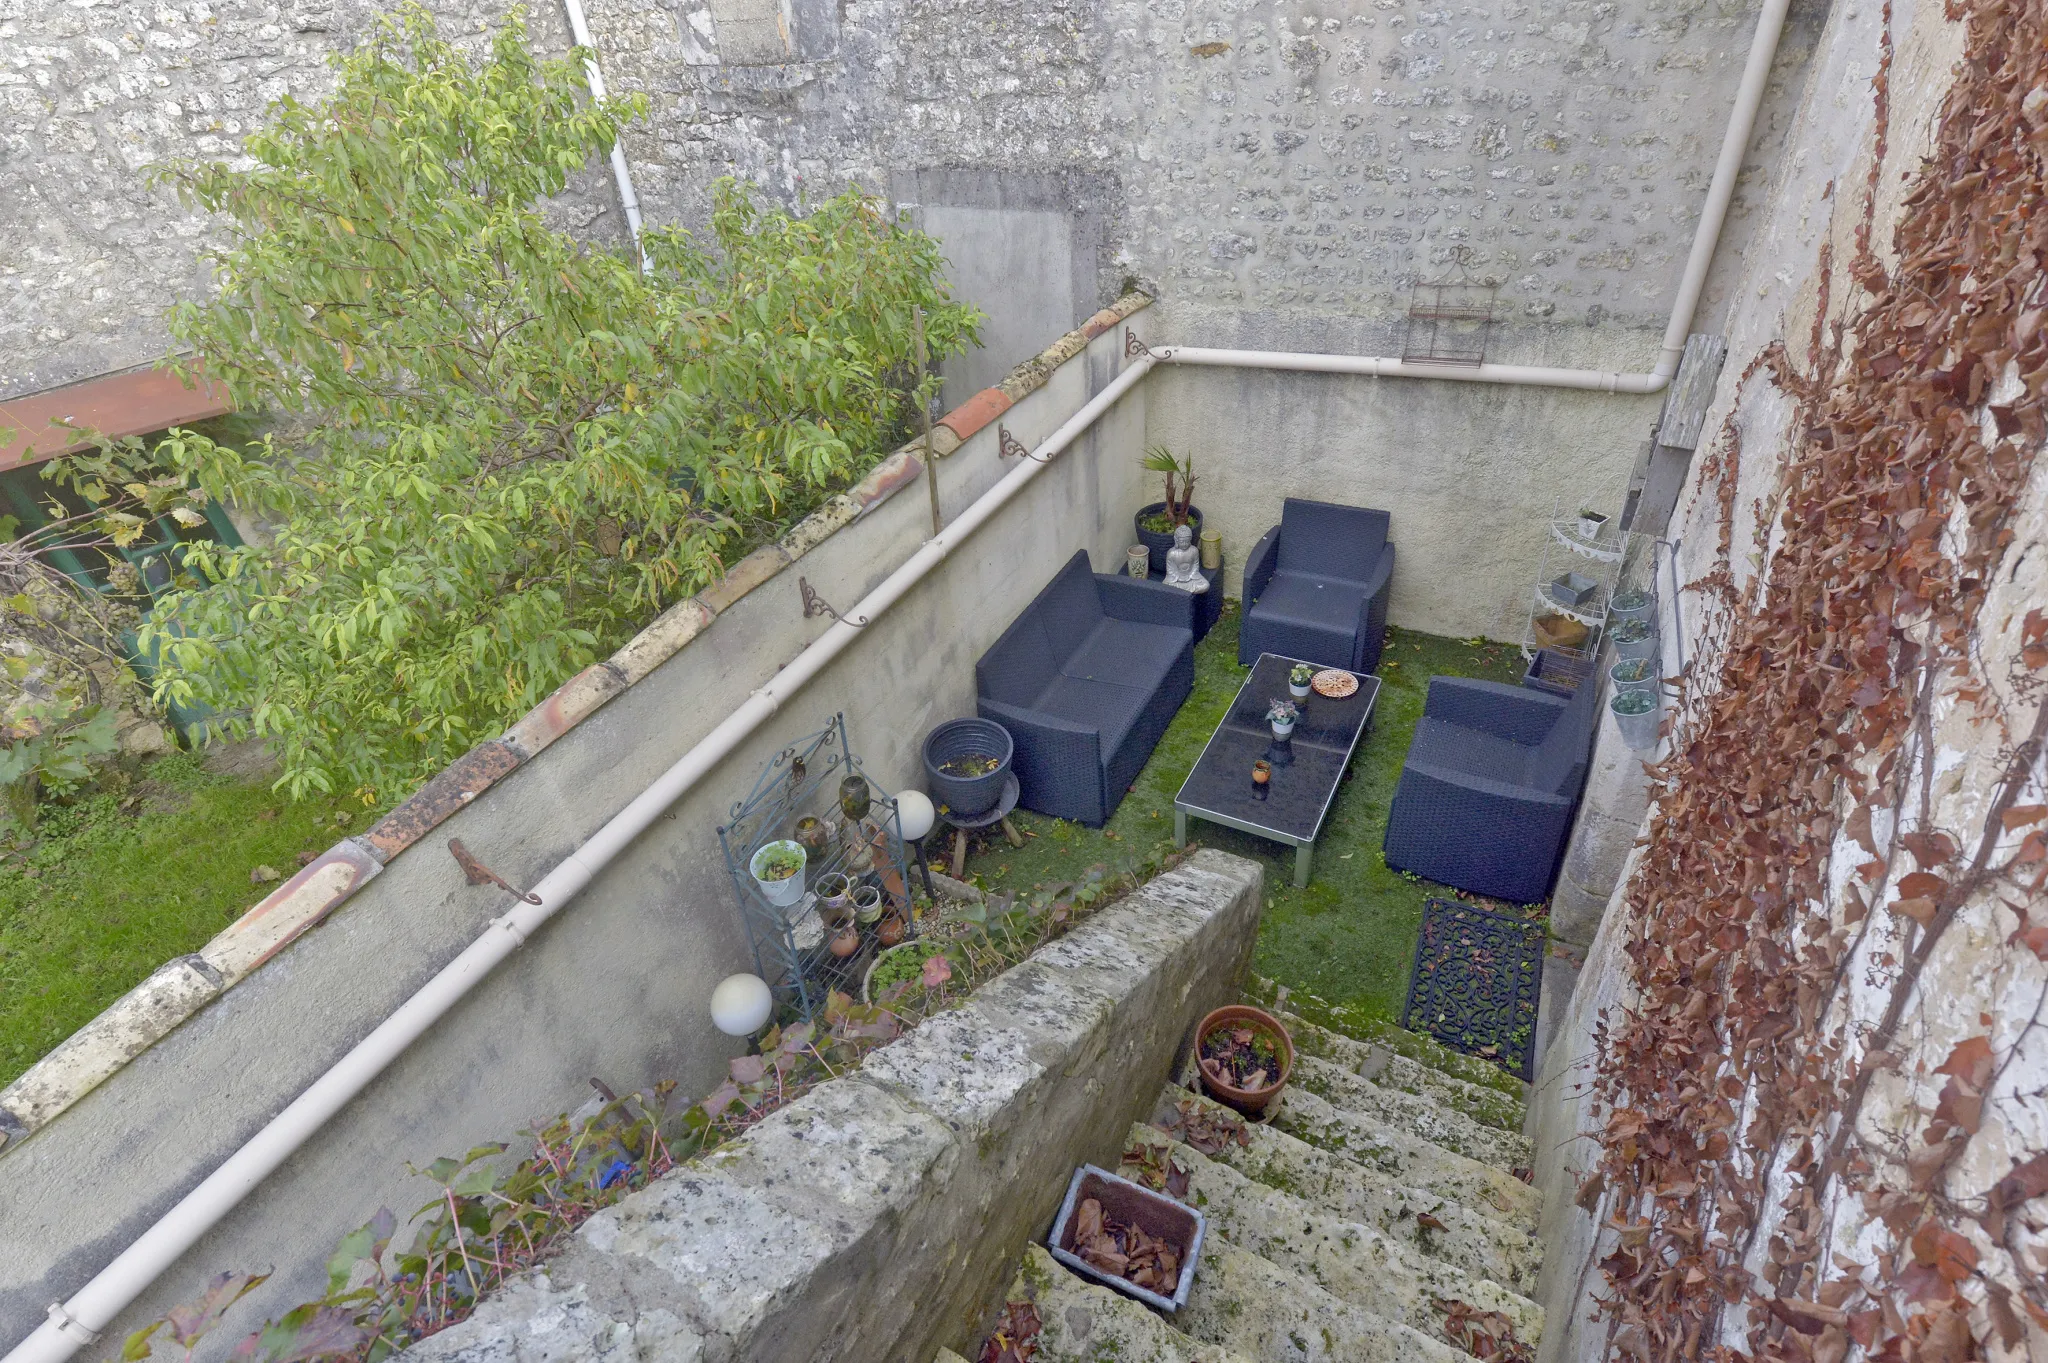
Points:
[1390,1069]
[1421,1117]
[1081,1322]
[1268,1314]
[1389,1277]
[1477,1240]
[1346,1021]
[1406,1158]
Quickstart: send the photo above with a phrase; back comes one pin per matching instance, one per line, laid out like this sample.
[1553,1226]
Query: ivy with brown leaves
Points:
[1734,1086]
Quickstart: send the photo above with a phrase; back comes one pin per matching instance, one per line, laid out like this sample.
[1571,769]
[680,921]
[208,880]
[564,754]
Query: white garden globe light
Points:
[741,1004]
[914,809]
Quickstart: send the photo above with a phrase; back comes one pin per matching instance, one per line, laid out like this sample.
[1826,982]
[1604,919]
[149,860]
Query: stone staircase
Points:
[1383,1187]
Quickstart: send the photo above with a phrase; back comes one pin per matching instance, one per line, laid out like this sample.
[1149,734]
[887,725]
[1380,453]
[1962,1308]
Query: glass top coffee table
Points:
[1306,768]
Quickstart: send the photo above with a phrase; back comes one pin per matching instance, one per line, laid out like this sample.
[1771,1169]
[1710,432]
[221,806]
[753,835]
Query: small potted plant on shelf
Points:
[1298,680]
[1282,714]
[778,869]
[1591,523]
[1245,1056]
[1156,523]
[835,900]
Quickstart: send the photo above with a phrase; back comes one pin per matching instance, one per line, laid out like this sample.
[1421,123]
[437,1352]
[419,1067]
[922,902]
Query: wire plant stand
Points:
[1450,320]
[792,945]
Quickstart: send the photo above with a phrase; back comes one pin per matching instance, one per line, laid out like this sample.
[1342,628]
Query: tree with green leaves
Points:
[516,447]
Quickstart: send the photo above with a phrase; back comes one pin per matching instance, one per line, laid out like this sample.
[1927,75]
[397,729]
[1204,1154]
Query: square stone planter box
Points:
[1154,1213]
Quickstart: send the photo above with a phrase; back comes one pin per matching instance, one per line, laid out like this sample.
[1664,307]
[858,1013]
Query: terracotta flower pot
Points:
[1219,1085]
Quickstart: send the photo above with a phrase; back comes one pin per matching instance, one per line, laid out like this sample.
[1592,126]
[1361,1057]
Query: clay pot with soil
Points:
[1245,1056]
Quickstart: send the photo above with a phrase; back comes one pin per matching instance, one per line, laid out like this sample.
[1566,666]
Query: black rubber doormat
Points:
[1475,984]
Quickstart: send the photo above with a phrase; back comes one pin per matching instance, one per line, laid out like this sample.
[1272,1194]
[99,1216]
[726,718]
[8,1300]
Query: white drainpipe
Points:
[1734,143]
[579,32]
[76,1322]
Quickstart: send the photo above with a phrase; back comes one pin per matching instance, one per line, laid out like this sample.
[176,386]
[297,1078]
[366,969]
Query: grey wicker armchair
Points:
[1489,785]
[1086,681]
[1315,587]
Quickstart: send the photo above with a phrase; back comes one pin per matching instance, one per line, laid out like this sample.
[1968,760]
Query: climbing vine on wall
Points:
[1733,1092]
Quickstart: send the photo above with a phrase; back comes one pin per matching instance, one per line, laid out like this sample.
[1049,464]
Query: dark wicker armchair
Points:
[1489,785]
[1315,587]
[1086,681]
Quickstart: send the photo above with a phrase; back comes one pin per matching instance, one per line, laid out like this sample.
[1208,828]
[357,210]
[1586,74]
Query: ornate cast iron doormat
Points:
[1476,981]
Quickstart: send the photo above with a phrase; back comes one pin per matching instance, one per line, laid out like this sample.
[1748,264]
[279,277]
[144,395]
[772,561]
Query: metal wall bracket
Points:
[476,873]
[816,605]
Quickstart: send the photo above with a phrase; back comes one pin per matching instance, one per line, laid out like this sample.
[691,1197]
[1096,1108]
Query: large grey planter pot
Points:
[1157,544]
[1638,731]
[1636,648]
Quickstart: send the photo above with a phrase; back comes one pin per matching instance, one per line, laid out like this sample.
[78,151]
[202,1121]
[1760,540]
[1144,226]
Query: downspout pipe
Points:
[1749,97]
[579,33]
[78,1321]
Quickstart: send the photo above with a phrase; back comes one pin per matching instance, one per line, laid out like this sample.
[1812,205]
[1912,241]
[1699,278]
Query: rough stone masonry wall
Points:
[1981,985]
[878,1217]
[1277,171]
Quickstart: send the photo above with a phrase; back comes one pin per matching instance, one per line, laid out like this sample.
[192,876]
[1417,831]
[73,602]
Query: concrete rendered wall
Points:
[617,986]
[1816,201]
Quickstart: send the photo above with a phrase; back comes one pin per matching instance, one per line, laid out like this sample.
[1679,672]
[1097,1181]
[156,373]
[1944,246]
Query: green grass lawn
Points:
[118,884]
[1349,935]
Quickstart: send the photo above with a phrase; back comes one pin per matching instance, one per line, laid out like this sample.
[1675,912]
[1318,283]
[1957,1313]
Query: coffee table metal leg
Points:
[1180,828]
[1301,859]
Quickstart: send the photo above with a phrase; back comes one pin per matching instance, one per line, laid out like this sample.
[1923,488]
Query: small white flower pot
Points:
[1282,730]
[787,891]
[1298,692]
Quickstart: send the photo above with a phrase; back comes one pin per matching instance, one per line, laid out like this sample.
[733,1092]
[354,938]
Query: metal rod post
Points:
[924,402]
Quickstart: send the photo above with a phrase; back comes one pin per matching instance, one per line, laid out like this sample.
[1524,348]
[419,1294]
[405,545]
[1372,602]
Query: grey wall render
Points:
[617,986]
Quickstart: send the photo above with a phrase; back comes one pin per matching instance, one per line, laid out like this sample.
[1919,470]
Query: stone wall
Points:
[1977,982]
[191,1064]
[877,1218]
[1278,172]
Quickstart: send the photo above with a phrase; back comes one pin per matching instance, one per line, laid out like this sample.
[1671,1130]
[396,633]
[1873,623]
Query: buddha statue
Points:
[1184,563]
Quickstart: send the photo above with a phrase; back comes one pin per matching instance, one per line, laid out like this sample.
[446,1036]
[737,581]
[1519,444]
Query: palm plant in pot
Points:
[1245,1056]
[1156,523]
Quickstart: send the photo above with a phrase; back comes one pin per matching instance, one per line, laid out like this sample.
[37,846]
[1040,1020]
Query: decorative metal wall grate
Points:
[1476,982]
[1450,320]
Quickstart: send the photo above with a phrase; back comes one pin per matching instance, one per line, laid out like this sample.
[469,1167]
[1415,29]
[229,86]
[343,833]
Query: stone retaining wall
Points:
[879,1216]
